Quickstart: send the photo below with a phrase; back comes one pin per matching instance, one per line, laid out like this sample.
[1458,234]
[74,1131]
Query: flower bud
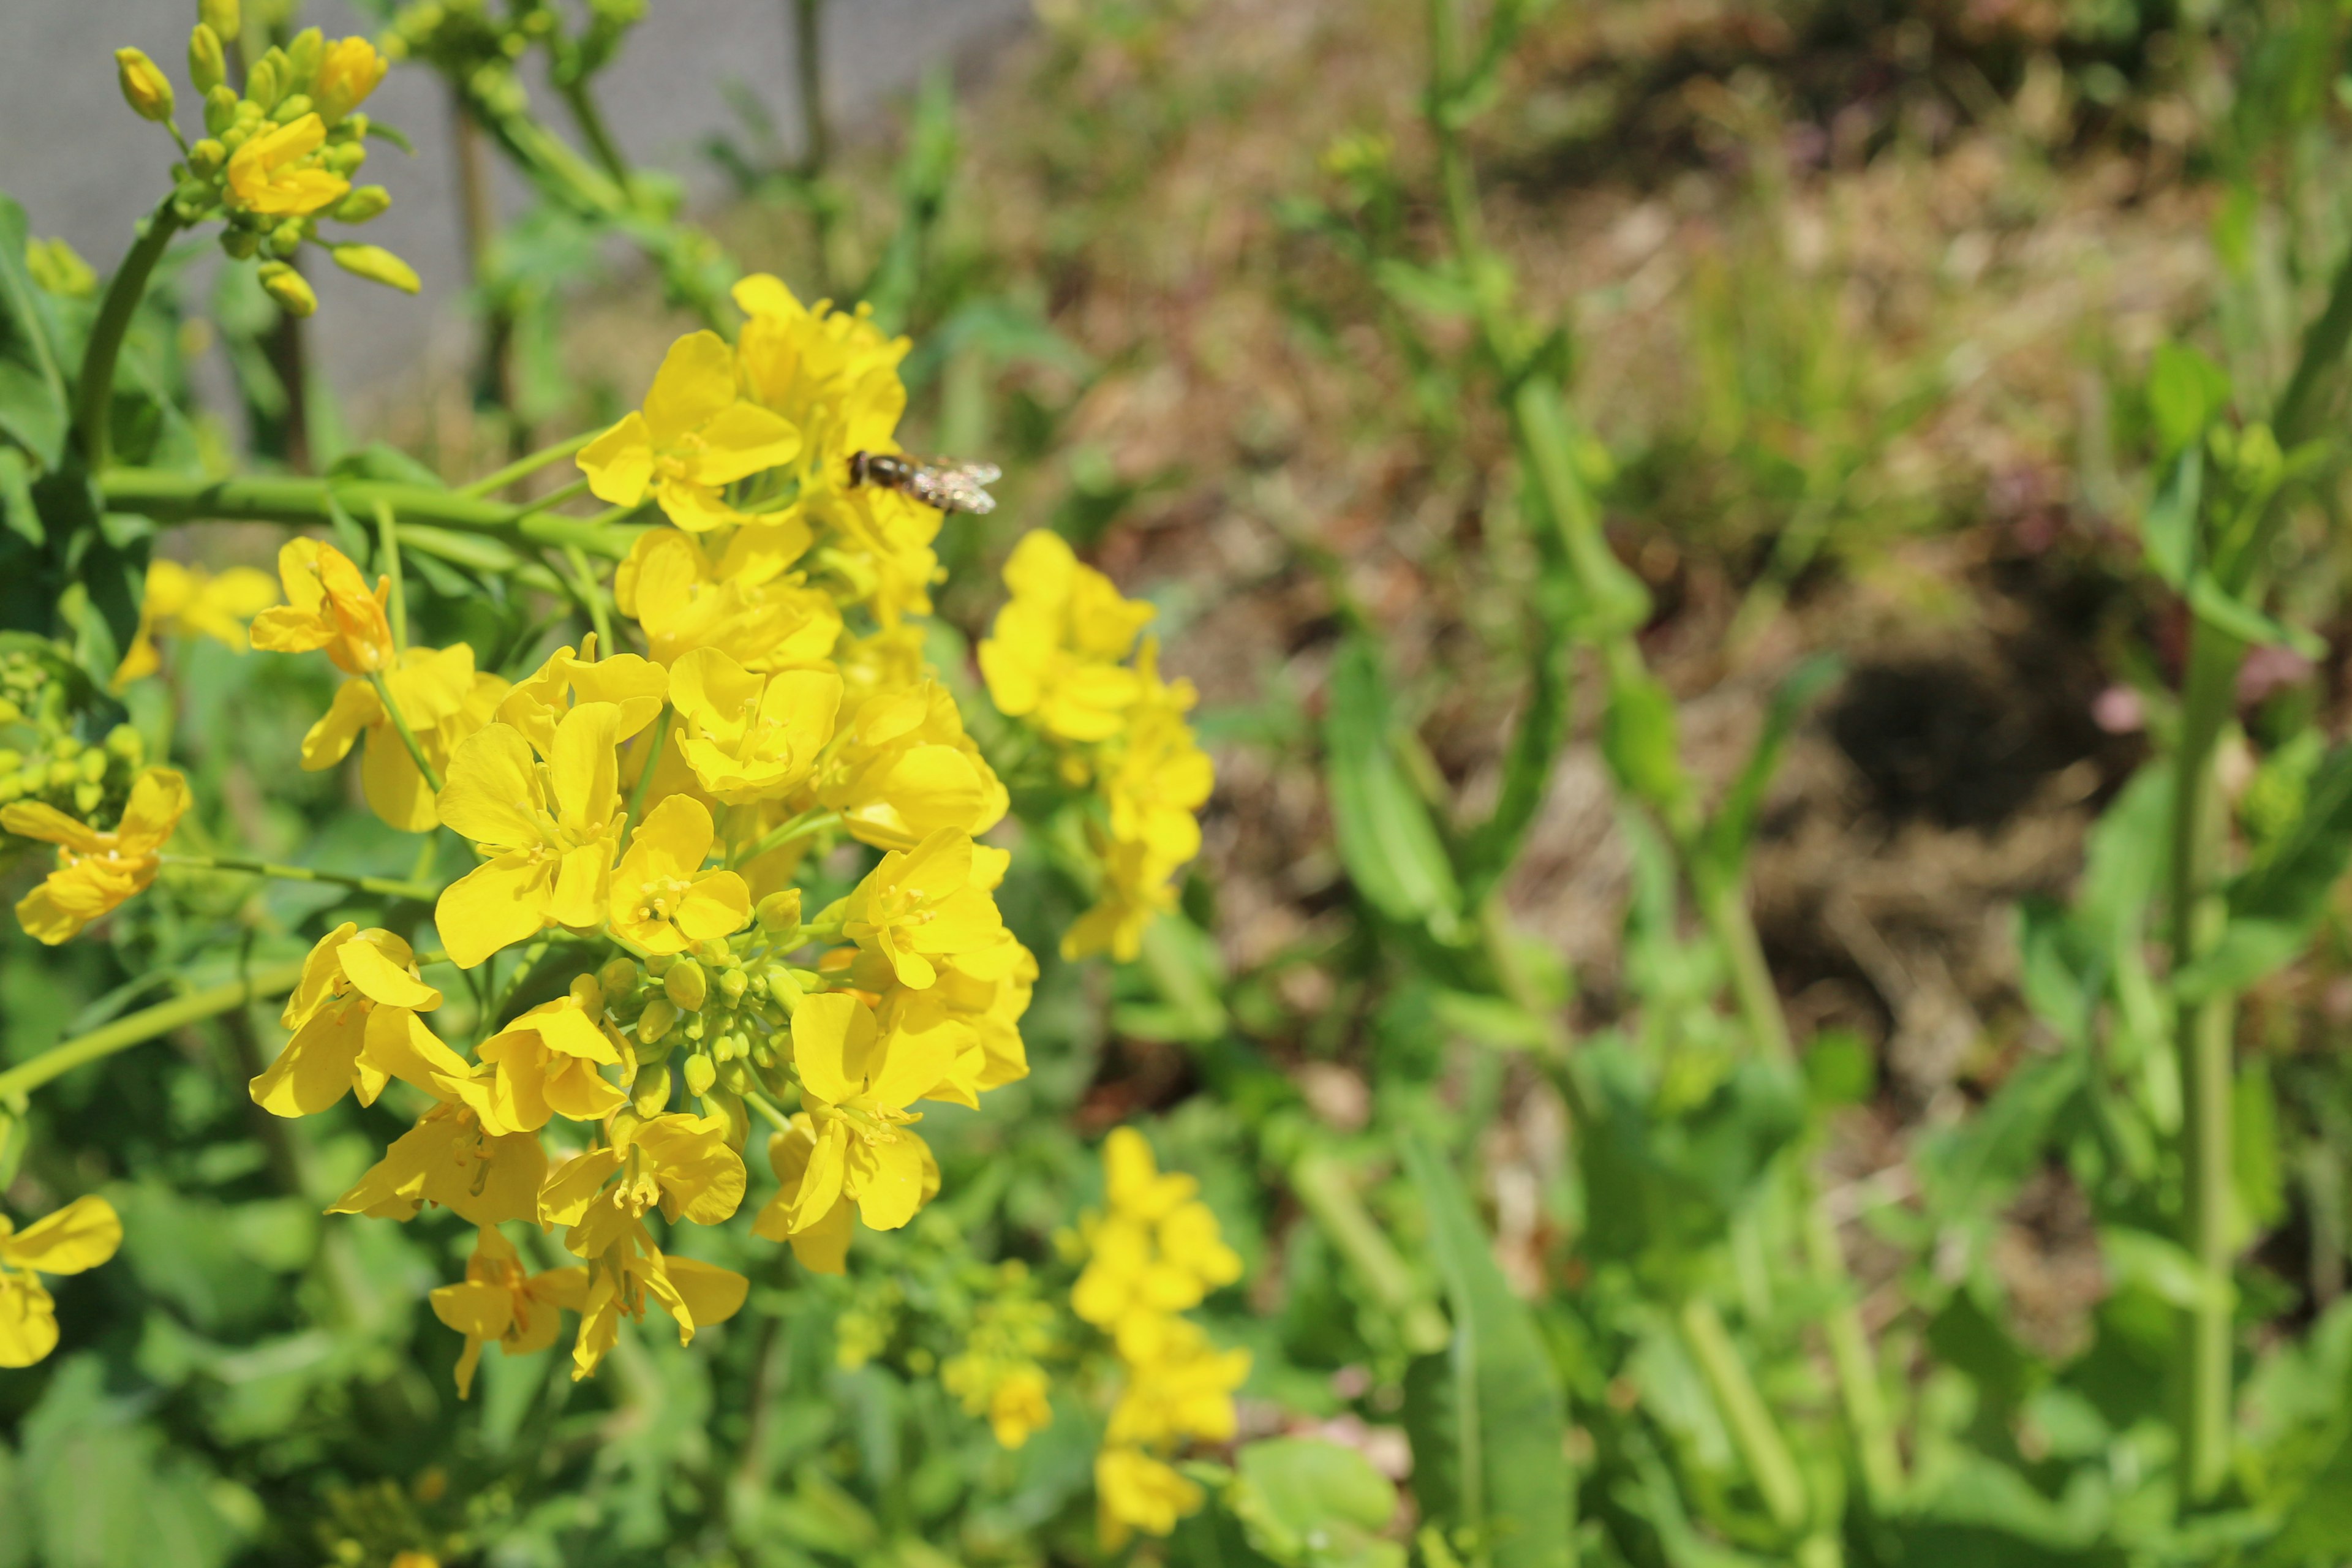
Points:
[304,52]
[220,107]
[701,1072]
[292,107]
[735,1078]
[688,986]
[145,88]
[206,157]
[265,84]
[207,60]
[240,243]
[779,911]
[588,992]
[622,1127]
[650,1092]
[349,71]
[285,239]
[363,204]
[377,265]
[221,17]
[655,1021]
[288,288]
[618,977]
[731,985]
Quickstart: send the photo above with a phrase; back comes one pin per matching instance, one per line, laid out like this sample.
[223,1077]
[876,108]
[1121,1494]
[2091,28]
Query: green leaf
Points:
[2185,392]
[1639,737]
[1515,1495]
[2275,907]
[2217,608]
[1387,840]
[2168,527]
[33,407]
[1733,829]
[1306,1502]
[2255,1148]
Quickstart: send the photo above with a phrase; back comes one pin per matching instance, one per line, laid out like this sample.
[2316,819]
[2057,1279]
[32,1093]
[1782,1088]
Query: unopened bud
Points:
[377,265]
[363,204]
[285,239]
[701,1072]
[586,991]
[207,60]
[206,157]
[240,243]
[348,71]
[732,983]
[220,107]
[618,977]
[265,84]
[688,986]
[655,1021]
[779,911]
[145,88]
[292,107]
[221,17]
[650,1093]
[288,288]
[303,53]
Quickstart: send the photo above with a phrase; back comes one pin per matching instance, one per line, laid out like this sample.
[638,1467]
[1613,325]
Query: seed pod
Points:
[686,984]
[701,1072]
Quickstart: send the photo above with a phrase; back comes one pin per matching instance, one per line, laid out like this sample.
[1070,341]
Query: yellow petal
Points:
[494,906]
[315,1068]
[619,464]
[493,791]
[28,1321]
[83,1235]
[828,1031]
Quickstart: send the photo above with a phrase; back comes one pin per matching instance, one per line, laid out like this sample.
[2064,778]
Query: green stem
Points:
[94,388]
[1754,1433]
[1864,1397]
[1724,905]
[767,1108]
[1322,1185]
[813,821]
[387,887]
[387,533]
[652,760]
[407,736]
[300,502]
[523,467]
[2202,1041]
[592,596]
[586,115]
[271,980]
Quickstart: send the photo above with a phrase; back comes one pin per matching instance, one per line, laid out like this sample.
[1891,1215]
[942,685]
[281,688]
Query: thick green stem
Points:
[407,736]
[270,980]
[298,502]
[386,887]
[2202,1042]
[94,388]
[1754,1433]
[1322,1185]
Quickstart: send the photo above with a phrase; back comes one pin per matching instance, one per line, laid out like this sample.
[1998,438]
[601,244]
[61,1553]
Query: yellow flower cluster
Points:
[997,1373]
[189,602]
[1153,1254]
[80,1235]
[277,156]
[97,871]
[1064,656]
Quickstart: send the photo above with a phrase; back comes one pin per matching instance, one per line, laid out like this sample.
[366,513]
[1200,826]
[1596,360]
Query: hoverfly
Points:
[950,486]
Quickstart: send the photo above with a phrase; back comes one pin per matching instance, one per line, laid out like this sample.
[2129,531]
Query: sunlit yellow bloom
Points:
[328,605]
[695,434]
[96,872]
[905,770]
[750,736]
[276,173]
[444,699]
[831,372]
[356,1026]
[1135,1491]
[1158,1249]
[663,902]
[821,1243]
[1011,1395]
[1055,652]
[447,1159]
[1179,1385]
[549,830]
[502,1300]
[541,1065]
[1163,778]
[348,73]
[80,1235]
[632,1271]
[987,990]
[1135,891]
[188,601]
[538,701]
[857,1093]
[671,587]
[922,903]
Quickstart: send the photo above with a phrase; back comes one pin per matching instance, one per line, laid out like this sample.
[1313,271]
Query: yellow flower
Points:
[905,769]
[188,601]
[671,587]
[663,902]
[822,1244]
[1136,890]
[80,1235]
[328,605]
[922,903]
[96,872]
[502,1300]
[1179,1385]
[986,992]
[1158,1249]
[1135,1491]
[348,73]
[831,372]
[1163,778]
[549,830]
[858,1092]
[543,1064]
[356,1026]
[694,435]
[1054,654]
[632,1271]
[444,699]
[750,737]
[276,173]
[539,701]
[447,1159]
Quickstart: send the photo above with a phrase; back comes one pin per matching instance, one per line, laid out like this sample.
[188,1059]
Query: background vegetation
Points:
[1768,979]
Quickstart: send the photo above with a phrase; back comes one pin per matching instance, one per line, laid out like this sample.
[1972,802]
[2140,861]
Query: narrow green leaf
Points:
[2217,608]
[2168,526]
[33,408]
[2274,908]
[1513,1492]
[1733,829]
[1388,843]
